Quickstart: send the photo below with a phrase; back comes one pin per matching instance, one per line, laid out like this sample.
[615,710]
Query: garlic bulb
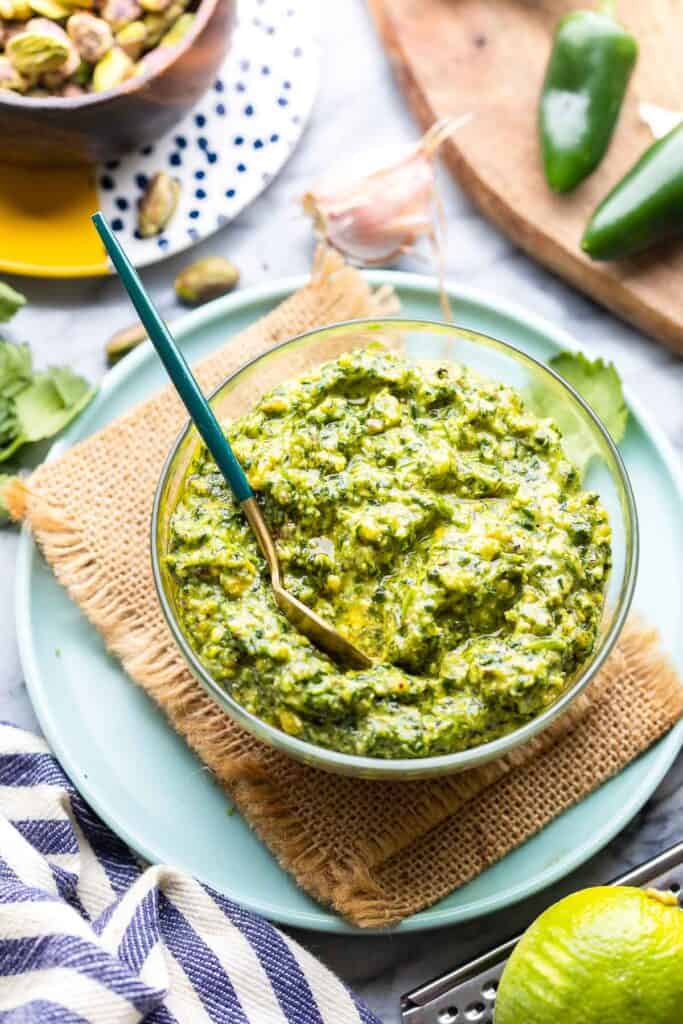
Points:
[373,217]
[659,120]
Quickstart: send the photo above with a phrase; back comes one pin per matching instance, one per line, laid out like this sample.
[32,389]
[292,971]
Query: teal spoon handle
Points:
[187,387]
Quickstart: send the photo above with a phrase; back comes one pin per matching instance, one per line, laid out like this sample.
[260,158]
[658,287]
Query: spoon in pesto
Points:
[303,618]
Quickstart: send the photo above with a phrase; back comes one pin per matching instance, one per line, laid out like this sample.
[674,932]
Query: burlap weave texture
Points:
[376,851]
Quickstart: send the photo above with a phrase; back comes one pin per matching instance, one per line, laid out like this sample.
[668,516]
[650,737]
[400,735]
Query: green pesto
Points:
[425,511]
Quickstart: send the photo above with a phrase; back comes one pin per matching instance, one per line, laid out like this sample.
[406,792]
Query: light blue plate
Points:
[151,789]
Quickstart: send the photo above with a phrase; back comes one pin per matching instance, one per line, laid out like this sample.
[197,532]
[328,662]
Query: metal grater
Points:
[467,995]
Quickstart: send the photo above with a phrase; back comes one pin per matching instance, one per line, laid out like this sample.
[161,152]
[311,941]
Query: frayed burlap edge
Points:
[503,815]
[349,879]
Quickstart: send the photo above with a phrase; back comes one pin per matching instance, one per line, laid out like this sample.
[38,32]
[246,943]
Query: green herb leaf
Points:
[599,385]
[10,302]
[50,402]
[34,406]
[4,511]
[15,367]
[11,447]
[15,375]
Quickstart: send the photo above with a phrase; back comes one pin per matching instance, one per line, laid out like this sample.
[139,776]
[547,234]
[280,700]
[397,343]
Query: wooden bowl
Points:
[102,126]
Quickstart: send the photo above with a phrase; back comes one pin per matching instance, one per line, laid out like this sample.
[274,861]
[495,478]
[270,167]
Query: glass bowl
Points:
[418,340]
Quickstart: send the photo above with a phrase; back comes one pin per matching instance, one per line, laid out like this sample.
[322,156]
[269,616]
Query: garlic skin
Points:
[373,218]
[659,120]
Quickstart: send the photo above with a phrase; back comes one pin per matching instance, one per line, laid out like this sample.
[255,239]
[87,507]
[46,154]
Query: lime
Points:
[608,955]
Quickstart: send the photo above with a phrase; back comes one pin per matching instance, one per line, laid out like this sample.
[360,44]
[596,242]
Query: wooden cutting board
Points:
[489,57]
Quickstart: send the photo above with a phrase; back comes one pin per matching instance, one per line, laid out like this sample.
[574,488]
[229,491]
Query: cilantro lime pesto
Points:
[429,515]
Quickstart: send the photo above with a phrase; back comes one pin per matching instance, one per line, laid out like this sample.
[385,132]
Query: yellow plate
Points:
[45,227]
[223,153]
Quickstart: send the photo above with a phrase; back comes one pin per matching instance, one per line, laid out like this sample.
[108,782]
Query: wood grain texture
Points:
[489,57]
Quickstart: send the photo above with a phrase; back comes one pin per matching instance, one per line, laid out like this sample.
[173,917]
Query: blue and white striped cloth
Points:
[87,934]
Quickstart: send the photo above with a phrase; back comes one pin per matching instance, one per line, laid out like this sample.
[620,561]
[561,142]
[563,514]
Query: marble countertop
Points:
[358,108]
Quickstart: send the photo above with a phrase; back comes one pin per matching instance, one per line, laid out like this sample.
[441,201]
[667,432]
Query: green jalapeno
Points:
[585,82]
[644,208]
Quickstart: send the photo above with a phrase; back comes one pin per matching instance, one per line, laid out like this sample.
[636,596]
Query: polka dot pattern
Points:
[234,142]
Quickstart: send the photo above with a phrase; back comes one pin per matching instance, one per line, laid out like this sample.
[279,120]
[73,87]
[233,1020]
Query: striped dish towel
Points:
[87,934]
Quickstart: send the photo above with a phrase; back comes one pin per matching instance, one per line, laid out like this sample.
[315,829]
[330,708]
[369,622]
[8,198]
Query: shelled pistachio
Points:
[82,74]
[158,204]
[205,279]
[158,23]
[52,9]
[38,48]
[113,69]
[132,39]
[58,77]
[124,341]
[177,30]
[155,6]
[48,46]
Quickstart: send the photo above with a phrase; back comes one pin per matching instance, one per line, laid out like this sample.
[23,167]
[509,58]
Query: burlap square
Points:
[375,851]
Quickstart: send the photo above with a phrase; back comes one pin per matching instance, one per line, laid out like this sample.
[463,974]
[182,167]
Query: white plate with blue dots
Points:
[228,149]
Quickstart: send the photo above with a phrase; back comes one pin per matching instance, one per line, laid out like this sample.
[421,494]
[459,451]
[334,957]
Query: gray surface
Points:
[469,992]
[359,108]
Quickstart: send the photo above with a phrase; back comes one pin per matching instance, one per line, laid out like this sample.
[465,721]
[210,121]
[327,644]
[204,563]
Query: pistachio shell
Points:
[206,279]
[92,36]
[158,204]
[177,30]
[114,68]
[36,51]
[49,27]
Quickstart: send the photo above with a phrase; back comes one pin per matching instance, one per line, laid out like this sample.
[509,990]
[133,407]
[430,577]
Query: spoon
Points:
[324,636]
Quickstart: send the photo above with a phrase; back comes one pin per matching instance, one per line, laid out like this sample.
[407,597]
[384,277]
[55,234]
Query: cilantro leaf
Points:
[10,302]
[599,385]
[11,447]
[50,402]
[4,511]
[15,375]
[16,367]
[35,405]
